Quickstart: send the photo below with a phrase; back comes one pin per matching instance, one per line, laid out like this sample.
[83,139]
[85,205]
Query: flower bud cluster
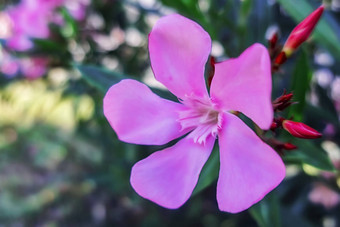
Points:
[296,129]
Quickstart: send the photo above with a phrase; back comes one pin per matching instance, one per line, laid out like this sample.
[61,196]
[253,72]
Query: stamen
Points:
[201,117]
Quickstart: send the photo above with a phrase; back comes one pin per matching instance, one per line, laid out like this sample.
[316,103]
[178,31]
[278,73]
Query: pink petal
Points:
[249,168]
[169,176]
[19,42]
[244,84]
[33,68]
[179,49]
[139,116]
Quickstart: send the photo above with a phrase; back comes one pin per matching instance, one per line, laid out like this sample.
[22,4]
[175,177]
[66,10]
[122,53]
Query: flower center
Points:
[201,117]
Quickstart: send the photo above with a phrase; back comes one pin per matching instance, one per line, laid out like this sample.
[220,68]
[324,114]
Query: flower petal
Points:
[169,176]
[179,49]
[244,84]
[139,116]
[249,168]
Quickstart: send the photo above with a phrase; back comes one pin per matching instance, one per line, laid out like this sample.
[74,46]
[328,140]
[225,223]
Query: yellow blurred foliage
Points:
[24,103]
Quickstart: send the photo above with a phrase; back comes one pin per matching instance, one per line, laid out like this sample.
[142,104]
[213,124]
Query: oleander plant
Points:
[170,113]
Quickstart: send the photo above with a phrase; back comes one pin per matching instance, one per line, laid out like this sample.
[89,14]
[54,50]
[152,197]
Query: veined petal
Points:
[244,84]
[179,49]
[139,116]
[169,176]
[249,168]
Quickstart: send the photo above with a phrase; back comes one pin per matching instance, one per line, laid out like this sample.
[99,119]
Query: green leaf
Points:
[99,77]
[320,114]
[325,101]
[209,172]
[245,9]
[48,45]
[309,153]
[70,28]
[300,85]
[267,211]
[294,219]
[325,31]
[102,79]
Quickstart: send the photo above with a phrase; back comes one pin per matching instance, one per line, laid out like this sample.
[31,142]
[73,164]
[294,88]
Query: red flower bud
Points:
[273,40]
[289,146]
[300,130]
[301,32]
[283,101]
[280,59]
[273,126]
[280,146]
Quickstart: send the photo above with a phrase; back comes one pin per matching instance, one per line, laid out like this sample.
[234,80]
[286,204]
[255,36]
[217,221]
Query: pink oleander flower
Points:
[5,25]
[77,8]
[249,168]
[9,65]
[30,19]
[323,195]
[33,68]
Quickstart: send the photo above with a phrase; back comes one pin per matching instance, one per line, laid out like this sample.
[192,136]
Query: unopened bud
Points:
[289,146]
[280,146]
[283,101]
[280,59]
[300,130]
[301,32]
[273,40]
[273,126]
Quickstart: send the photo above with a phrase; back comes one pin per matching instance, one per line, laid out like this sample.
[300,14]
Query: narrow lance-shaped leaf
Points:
[325,101]
[70,29]
[209,172]
[102,79]
[267,212]
[309,153]
[300,85]
[99,77]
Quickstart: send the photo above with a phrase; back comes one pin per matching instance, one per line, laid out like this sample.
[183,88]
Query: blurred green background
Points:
[61,164]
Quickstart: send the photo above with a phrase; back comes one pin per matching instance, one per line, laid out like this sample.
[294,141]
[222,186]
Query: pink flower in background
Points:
[77,8]
[8,64]
[33,68]
[323,195]
[31,18]
[249,168]
[5,26]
